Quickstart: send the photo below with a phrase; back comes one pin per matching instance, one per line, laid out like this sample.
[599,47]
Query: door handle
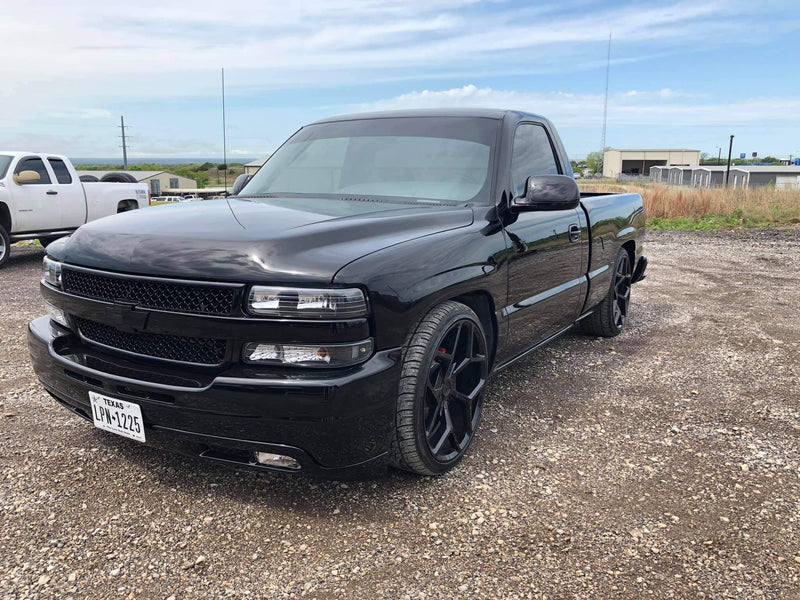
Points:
[51,192]
[574,233]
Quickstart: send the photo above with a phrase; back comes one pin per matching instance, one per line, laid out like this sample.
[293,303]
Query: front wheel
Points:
[442,384]
[5,246]
[46,241]
[610,316]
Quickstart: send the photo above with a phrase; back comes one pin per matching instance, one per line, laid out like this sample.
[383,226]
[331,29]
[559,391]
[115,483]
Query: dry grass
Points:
[718,207]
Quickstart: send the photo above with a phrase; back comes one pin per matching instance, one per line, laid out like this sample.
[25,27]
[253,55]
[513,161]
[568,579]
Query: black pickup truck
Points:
[344,311]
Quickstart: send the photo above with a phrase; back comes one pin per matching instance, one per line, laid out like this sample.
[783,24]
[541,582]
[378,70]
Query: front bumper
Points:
[336,423]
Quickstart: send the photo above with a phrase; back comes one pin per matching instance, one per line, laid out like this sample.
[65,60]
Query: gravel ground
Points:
[664,463]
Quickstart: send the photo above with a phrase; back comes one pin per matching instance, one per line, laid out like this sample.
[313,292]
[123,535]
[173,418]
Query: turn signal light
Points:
[330,355]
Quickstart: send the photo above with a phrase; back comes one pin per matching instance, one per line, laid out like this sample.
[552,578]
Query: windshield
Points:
[5,160]
[434,158]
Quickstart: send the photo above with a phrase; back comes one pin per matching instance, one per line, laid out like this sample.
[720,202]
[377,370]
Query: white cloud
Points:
[79,113]
[96,55]
[660,108]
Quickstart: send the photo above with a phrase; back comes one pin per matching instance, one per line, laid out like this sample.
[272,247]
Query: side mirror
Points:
[548,192]
[241,181]
[24,177]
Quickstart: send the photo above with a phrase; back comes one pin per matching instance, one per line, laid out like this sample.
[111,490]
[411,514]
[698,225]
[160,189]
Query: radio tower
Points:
[605,104]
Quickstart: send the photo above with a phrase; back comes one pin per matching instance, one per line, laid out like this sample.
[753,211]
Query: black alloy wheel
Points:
[454,391]
[622,290]
[609,317]
[442,386]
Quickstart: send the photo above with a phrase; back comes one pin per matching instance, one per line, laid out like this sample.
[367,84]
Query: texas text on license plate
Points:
[117,416]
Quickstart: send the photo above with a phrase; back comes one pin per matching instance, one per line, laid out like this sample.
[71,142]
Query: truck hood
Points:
[280,240]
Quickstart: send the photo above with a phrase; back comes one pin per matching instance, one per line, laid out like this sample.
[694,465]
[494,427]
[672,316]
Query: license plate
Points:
[117,416]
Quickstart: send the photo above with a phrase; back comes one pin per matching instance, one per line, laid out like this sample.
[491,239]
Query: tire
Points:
[442,386]
[610,316]
[118,177]
[5,246]
[126,205]
[46,241]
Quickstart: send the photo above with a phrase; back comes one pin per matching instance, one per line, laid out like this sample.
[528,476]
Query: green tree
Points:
[594,161]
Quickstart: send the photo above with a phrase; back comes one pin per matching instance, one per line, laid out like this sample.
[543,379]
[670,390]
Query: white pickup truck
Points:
[42,197]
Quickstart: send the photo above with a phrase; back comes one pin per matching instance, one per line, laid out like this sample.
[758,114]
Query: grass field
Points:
[690,209]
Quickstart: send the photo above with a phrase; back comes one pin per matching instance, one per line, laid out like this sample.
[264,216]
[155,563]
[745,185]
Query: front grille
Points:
[204,351]
[151,293]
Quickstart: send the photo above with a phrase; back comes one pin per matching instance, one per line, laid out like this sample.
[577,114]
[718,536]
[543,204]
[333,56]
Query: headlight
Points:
[51,272]
[331,355]
[299,303]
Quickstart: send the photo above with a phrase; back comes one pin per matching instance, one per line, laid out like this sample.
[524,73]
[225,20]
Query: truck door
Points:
[36,204]
[545,282]
[69,195]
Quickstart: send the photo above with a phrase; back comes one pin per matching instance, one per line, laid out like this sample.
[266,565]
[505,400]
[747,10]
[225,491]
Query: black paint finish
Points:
[529,274]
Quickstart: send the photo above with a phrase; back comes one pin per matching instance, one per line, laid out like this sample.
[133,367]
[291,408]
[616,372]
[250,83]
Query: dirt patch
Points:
[664,463]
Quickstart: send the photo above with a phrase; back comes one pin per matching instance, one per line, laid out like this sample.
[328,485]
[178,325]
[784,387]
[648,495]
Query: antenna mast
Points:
[224,142]
[605,104]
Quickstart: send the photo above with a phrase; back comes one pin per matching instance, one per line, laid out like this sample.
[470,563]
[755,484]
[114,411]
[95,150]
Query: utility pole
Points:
[728,170]
[124,147]
[224,144]
[605,104]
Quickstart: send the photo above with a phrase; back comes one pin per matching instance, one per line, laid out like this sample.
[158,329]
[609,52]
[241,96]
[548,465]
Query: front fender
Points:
[408,279]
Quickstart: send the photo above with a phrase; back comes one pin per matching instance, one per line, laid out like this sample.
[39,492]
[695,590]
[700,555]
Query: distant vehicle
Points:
[172,199]
[42,197]
[190,197]
[345,311]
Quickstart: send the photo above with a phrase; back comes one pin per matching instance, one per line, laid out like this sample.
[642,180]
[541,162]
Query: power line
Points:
[124,145]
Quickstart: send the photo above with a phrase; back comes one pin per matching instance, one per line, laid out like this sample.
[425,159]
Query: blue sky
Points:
[683,74]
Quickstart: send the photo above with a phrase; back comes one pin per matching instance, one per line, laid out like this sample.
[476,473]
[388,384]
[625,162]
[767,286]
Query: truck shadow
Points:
[22,257]
[526,388]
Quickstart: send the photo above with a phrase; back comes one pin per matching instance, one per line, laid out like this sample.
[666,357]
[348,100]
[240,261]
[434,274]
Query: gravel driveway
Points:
[664,463]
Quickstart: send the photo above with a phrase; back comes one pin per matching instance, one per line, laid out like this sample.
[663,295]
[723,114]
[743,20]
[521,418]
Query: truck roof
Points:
[18,153]
[485,113]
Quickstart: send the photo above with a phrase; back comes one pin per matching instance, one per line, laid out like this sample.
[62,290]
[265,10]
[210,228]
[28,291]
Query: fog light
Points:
[276,460]
[329,355]
[56,314]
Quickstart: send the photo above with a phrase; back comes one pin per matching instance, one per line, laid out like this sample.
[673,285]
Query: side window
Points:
[173,183]
[60,169]
[532,155]
[33,163]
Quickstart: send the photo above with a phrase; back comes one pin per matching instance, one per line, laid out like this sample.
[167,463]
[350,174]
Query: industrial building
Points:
[160,182]
[255,165]
[639,162]
[708,176]
[782,177]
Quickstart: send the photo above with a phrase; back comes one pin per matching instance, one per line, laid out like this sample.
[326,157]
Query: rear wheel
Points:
[5,246]
[610,316]
[126,205]
[445,367]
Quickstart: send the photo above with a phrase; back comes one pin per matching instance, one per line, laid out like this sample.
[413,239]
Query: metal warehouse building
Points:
[708,176]
[639,162]
[160,182]
[783,177]
[255,165]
